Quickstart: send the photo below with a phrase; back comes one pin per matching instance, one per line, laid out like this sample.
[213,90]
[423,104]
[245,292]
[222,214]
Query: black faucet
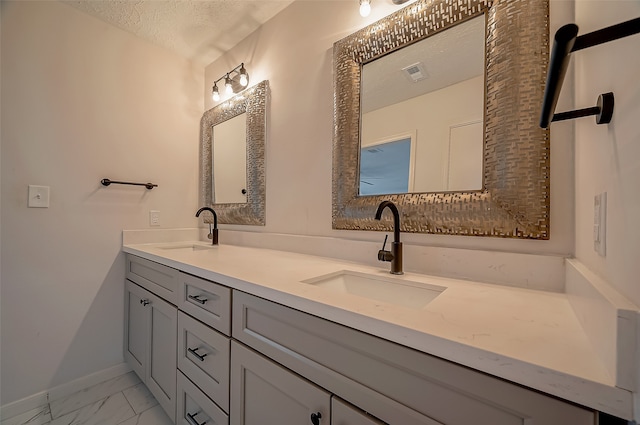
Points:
[395,255]
[213,232]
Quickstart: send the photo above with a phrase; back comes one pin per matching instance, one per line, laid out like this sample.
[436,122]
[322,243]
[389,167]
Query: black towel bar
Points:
[565,42]
[107,182]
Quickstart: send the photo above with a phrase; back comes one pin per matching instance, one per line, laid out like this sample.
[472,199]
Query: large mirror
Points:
[232,146]
[506,194]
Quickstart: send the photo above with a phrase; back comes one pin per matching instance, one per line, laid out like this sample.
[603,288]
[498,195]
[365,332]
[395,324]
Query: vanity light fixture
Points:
[365,8]
[235,81]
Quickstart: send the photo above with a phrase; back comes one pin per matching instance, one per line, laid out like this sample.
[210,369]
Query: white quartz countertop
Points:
[529,337]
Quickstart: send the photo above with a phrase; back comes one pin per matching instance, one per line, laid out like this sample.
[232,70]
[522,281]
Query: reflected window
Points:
[385,168]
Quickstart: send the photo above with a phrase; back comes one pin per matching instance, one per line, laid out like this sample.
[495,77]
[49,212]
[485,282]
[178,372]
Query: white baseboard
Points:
[18,407]
[39,399]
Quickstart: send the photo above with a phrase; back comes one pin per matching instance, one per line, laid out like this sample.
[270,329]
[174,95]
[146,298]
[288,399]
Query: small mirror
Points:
[230,161]
[232,145]
[423,115]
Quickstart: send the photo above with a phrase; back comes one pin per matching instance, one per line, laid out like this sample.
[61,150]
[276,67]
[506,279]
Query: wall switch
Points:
[38,196]
[154,218]
[600,223]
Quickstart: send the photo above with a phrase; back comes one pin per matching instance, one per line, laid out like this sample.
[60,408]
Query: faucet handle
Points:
[385,242]
[384,255]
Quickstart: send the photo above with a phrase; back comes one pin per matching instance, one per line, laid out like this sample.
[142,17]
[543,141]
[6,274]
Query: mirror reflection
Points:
[230,161]
[423,115]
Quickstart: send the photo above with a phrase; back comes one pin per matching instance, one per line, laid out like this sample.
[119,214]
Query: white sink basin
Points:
[188,247]
[380,288]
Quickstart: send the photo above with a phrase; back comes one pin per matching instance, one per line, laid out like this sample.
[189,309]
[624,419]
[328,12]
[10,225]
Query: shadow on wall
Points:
[86,346]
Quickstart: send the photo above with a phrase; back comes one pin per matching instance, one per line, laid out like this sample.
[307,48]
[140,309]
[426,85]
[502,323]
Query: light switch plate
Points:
[38,196]
[154,218]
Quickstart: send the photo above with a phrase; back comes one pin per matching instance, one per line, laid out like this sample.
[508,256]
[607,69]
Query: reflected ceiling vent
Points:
[415,72]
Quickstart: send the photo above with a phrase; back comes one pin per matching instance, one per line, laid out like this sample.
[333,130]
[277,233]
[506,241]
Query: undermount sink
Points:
[380,288]
[188,247]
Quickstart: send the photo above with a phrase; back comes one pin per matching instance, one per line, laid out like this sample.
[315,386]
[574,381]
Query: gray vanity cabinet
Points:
[242,360]
[394,383]
[150,343]
[265,393]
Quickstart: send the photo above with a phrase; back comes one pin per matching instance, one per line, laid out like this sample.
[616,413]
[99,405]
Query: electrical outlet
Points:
[154,218]
[600,223]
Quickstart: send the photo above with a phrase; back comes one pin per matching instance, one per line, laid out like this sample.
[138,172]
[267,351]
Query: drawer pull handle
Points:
[145,302]
[192,419]
[315,418]
[199,356]
[198,299]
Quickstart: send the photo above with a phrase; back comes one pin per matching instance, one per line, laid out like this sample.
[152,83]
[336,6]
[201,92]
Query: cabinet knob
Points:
[145,302]
[315,418]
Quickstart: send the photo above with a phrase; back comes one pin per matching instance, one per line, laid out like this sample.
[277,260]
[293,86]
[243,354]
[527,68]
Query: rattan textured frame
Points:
[514,201]
[253,101]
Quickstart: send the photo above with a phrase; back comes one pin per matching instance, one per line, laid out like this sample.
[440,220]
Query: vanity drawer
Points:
[207,301]
[407,387]
[157,278]
[195,407]
[203,356]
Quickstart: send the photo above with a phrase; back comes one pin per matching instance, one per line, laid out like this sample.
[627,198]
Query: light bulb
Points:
[215,93]
[365,8]
[228,89]
[243,77]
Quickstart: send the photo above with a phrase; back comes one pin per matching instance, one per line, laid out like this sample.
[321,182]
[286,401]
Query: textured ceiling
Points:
[384,83]
[201,30]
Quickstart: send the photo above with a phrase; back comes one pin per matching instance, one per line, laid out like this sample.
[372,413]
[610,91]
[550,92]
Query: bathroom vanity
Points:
[238,335]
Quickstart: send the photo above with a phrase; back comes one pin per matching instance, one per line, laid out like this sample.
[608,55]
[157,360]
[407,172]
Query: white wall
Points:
[82,100]
[607,157]
[294,52]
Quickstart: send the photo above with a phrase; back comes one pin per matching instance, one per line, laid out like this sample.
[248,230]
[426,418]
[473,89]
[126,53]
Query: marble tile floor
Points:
[120,401]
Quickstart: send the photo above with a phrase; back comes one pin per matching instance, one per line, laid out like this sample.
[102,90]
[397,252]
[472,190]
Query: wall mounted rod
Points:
[107,182]
[565,42]
[608,34]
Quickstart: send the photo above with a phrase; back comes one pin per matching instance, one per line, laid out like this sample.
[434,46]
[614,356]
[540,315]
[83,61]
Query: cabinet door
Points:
[342,413]
[265,393]
[136,338]
[161,371]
